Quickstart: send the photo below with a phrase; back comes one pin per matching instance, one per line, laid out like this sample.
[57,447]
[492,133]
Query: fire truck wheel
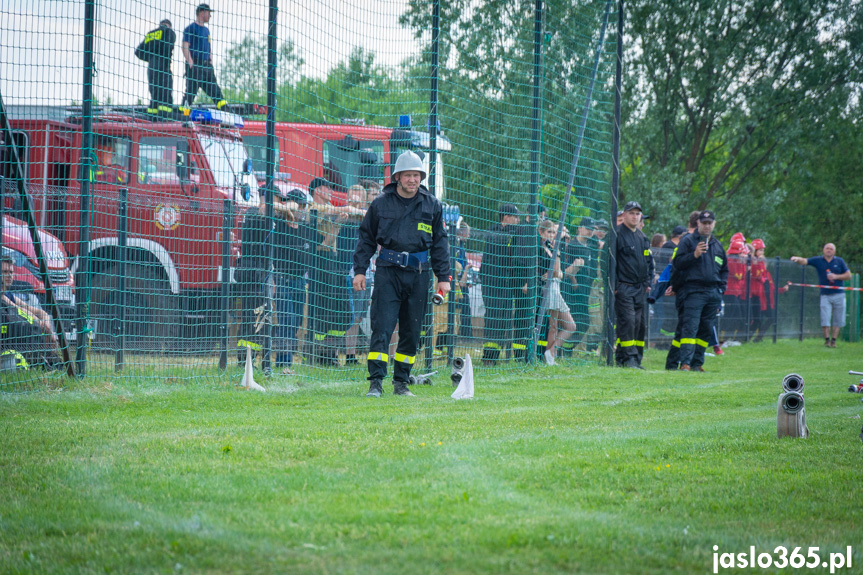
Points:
[148,303]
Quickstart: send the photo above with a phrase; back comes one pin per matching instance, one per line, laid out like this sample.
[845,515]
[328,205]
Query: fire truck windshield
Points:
[226,159]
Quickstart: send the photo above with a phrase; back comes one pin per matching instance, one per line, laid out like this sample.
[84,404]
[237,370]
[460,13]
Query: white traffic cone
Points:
[465,386]
[248,376]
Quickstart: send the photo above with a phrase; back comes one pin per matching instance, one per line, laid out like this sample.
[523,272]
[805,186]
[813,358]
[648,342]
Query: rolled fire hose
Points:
[793,382]
[791,415]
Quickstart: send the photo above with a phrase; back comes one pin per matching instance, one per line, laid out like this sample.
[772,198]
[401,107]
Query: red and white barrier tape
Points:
[829,287]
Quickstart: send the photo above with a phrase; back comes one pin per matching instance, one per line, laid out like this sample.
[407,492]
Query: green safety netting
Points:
[172,227]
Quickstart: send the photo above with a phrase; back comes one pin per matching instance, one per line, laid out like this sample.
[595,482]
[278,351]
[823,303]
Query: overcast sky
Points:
[41,41]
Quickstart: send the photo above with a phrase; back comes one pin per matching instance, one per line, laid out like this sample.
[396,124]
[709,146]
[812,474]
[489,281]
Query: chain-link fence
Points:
[759,304]
[165,154]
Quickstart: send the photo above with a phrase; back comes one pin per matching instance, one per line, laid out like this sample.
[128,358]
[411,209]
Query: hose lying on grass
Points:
[791,408]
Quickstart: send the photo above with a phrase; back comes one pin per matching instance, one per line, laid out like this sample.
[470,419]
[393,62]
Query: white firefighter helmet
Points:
[409,162]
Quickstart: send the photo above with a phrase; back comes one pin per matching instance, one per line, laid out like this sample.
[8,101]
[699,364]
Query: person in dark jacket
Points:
[699,277]
[497,277]
[407,223]
[254,278]
[634,276]
[157,49]
[293,252]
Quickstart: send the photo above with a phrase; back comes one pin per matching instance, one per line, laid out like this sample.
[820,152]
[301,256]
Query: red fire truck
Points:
[344,154]
[179,176]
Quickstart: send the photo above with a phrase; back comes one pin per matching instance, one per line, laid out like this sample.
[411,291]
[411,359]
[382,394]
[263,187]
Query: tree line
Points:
[747,107]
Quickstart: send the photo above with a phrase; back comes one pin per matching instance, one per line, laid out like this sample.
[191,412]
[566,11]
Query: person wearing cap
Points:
[633,280]
[497,277]
[157,49]
[832,273]
[699,277]
[619,220]
[254,282]
[197,51]
[579,267]
[331,309]
[734,316]
[406,223]
[293,251]
[761,290]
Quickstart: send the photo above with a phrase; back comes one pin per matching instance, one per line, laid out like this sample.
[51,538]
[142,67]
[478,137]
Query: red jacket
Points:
[761,281]
[736,276]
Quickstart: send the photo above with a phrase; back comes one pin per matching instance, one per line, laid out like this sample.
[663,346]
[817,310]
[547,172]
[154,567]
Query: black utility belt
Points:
[417,260]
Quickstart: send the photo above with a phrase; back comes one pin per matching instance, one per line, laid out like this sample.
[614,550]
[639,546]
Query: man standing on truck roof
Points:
[157,49]
[199,60]
[406,221]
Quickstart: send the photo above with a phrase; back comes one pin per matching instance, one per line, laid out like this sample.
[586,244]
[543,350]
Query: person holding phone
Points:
[699,277]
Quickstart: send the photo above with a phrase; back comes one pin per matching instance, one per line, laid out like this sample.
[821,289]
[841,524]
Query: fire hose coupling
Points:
[438,298]
[457,371]
[791,408]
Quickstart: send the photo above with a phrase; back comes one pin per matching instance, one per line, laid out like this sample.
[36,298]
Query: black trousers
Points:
[629,304]
[578,300]
[202,76]
[498,319]
[672,361]
[254,316]
[523,318]
[161,83]
[696,323]
[400,296]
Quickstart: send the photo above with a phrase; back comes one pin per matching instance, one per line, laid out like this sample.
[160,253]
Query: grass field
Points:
[560,470]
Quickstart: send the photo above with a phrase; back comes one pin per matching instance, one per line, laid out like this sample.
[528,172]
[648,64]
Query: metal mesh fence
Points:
[165,153]
[758,304]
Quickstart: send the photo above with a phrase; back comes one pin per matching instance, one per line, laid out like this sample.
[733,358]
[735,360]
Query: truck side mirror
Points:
[247,166]
[182,161]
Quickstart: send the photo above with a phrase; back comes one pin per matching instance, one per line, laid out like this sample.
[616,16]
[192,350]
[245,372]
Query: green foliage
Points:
[591,469]
[244,73]
[719,94]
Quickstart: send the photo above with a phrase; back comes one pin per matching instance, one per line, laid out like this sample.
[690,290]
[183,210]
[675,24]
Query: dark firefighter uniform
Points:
[157,50]
[497,288]
[413,238]
[634,276]
[699,284]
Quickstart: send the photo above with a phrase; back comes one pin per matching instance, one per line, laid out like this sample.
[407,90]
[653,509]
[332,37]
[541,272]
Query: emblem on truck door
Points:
[167,217]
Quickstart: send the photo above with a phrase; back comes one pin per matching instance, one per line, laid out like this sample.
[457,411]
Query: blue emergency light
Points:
[219,117]
[405,121]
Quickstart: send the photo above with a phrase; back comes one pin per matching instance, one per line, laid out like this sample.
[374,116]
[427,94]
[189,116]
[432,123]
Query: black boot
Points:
[375,388]
[401,388]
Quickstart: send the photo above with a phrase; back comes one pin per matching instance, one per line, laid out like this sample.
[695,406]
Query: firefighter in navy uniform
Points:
[157,49]
[699,277]
[634,276]
[406,221]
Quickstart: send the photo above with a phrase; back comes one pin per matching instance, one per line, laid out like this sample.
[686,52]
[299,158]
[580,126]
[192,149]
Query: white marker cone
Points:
[465,386]
[248,376]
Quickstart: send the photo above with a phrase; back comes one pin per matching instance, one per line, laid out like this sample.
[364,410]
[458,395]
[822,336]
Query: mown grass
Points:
[560,470]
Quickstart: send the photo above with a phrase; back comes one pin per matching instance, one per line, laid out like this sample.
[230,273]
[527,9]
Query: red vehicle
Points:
[344,154]
[179,175]
[18,245]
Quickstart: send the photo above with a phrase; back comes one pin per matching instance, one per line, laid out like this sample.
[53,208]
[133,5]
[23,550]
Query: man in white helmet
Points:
[406,221]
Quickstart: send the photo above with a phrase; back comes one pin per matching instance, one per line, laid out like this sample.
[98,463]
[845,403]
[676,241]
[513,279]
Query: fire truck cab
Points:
[345,154]
[180,175]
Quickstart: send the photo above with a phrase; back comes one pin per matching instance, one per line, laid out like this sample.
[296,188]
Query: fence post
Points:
[535,159]
[615,188]
[748,296]
[453,248]
[122,234]
[272,55]
[224,300]
[776,299]
[82,283]
[802,299]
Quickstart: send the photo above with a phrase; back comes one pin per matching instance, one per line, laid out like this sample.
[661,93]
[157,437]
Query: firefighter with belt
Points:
[634,276]
[699,276]
[157,49]
[406,221]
